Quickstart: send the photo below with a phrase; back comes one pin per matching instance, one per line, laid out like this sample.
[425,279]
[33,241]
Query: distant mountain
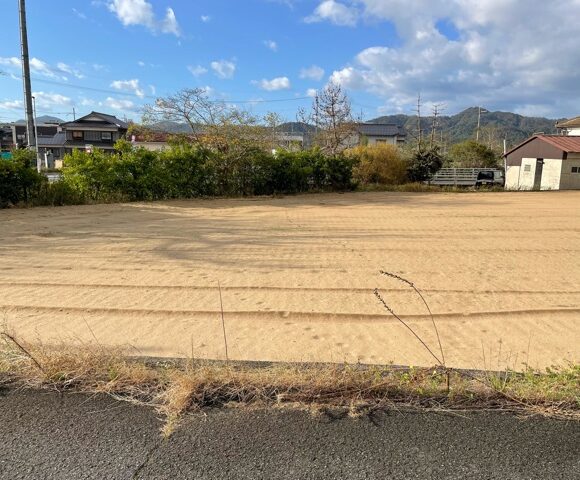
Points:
[455,128]
[462,126]
[168,126]
[296,127]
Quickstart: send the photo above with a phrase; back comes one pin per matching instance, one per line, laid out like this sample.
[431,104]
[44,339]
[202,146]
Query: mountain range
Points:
[495,126]
[463,126]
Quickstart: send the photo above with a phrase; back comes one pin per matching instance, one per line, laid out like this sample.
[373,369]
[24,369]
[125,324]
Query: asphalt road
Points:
[51,436]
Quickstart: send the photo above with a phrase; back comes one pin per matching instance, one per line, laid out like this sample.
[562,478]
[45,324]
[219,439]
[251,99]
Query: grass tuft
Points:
[175,388]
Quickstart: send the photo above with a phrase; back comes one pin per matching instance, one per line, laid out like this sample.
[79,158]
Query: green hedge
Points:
[186,171]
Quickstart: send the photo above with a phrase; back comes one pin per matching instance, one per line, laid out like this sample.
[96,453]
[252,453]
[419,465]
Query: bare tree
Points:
[436,110]
[190,105]
[332,116]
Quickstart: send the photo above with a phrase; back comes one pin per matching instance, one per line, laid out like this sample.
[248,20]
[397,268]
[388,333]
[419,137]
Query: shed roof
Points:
[381,129]
[568,144]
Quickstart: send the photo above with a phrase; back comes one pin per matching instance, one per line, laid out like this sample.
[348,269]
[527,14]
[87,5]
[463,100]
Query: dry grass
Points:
[174,388]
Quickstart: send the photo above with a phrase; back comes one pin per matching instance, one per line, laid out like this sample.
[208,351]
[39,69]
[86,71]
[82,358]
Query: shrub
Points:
[423,164]
[378,164]
[18,179]
[471,154]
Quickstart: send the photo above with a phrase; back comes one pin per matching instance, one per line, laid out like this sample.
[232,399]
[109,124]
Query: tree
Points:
[471,154]
[190,105]
[379,164]
[423,164]
[332,116]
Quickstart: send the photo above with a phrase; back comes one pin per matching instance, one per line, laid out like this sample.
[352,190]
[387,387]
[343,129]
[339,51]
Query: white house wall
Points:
[527,174]
[512,178]
[551,173]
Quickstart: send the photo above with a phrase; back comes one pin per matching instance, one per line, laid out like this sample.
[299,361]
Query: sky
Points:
[114,56]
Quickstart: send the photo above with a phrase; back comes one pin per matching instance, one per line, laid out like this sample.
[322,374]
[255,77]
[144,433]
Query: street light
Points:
[38,163]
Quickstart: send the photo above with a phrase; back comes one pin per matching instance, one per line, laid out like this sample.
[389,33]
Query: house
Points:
[18,132]
[51,149]
[373,133]
[544,162]
[95,130]
[569,127]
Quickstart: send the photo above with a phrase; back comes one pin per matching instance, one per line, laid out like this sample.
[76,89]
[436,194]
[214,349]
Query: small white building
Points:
[544,162]
[569,127]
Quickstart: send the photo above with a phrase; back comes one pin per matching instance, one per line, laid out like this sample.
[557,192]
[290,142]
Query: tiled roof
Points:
[56,140]
[380,129]
[107,118]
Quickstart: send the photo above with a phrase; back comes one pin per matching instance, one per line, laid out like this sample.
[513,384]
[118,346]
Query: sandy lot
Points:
[501,272]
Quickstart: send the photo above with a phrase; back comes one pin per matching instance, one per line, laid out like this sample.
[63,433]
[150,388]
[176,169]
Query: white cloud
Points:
[12,105]
[278,83]
[205,18]
[141,63]
[81,15]
[311,92]
[478,58]
[271,44]
[10,61]
[63,67]
[335,12]
[197,71]
[121,105]
[224,68]
[129,86]
[312,73]
[140,12]
[152,89]
[40,67]
[49,100]
[169,23]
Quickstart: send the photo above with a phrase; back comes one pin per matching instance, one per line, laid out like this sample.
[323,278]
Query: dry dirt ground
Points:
[501,272]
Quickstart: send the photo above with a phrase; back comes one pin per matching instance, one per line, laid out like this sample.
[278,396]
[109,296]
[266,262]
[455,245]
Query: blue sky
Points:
[270,55]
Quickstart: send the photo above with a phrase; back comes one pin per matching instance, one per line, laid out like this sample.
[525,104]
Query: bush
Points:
[18,180]
[182,171]
[471,154]
[423,164]
[378,164]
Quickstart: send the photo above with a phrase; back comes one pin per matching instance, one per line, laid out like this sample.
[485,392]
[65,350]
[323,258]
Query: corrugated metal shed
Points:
[568,144]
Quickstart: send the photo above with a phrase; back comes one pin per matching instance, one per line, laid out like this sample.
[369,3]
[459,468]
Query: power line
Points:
[130,94]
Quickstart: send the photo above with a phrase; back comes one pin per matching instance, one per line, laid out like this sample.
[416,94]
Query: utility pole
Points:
[38,161]
[436,110]
[31,137]
[419,133]
[74,114]
[480,111]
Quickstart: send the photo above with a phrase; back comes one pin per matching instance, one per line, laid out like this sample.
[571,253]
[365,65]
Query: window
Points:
[92,136]
[575,169]
[77,135]
[527,168]
[106,136]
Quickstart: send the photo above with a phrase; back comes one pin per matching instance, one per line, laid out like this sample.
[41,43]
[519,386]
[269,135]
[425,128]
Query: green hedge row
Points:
[182,171]
[186,171]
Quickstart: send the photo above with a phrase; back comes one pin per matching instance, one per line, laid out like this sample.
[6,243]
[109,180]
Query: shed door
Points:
[538,174]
